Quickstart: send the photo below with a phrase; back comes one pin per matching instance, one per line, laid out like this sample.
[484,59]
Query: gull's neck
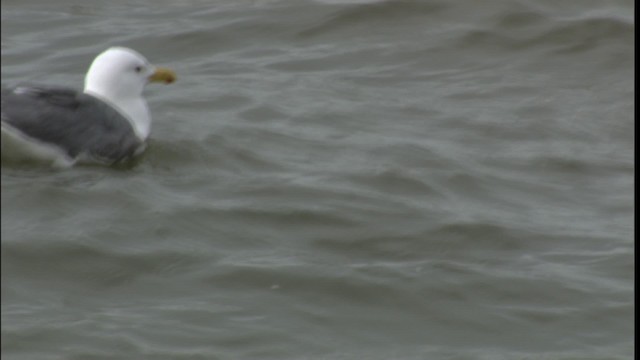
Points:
[134,109]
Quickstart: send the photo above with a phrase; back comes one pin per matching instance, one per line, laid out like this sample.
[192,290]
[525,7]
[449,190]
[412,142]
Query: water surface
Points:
[333,180]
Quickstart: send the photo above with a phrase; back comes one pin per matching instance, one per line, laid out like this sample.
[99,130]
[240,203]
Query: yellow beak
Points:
[163,74]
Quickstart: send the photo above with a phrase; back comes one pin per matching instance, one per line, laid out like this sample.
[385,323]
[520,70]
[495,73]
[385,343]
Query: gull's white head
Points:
[122,72]
[119,75]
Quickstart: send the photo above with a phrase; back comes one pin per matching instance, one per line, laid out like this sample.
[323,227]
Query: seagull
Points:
[106,123]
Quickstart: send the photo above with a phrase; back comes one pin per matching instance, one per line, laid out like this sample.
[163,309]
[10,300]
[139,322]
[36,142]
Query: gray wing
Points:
[77,123]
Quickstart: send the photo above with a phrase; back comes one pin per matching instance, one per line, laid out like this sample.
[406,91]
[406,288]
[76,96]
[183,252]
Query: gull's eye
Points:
[138,68]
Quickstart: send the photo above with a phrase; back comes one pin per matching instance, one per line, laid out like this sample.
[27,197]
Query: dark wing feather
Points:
[76,122]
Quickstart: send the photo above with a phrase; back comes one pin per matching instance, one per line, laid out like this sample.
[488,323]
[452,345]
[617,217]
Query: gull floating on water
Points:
[107,123]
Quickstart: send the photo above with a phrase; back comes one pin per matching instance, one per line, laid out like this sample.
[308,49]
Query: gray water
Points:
[333,180]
